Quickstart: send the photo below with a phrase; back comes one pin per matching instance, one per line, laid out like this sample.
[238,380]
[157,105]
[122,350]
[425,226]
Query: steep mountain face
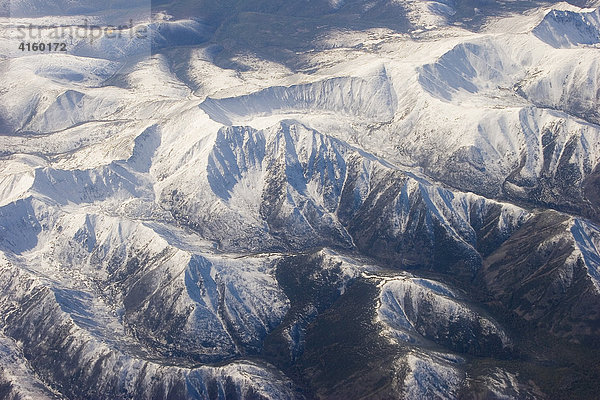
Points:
[560,277]
[569,29]
[269,200]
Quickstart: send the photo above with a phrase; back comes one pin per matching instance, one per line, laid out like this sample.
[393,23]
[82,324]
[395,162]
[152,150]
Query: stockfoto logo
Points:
[85,31]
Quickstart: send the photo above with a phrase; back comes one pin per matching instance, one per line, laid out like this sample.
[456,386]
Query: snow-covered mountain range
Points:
[274,200]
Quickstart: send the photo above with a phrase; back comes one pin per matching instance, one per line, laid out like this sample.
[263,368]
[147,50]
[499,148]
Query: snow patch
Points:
[587,242]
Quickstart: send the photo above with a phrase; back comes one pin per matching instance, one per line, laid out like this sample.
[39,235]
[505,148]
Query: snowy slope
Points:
[564,29]
[419,307]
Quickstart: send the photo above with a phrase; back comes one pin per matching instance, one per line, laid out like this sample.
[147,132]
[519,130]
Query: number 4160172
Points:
[42,46]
